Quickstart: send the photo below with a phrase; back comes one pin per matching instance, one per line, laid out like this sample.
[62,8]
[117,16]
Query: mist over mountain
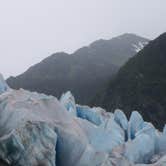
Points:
[84,72]
[140,84]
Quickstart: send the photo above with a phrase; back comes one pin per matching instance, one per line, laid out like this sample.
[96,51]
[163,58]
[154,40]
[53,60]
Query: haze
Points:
[31,30]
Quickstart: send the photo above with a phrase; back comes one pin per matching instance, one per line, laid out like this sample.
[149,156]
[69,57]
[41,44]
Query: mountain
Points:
[140,84]
[84,72]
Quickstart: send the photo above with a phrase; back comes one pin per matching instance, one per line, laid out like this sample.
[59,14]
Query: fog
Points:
[31,30]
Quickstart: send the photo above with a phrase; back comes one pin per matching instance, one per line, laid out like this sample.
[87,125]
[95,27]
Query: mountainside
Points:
[84,72]
[140,84]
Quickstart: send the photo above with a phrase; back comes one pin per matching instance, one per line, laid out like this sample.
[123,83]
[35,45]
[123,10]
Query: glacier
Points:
[3,85]
[40,130]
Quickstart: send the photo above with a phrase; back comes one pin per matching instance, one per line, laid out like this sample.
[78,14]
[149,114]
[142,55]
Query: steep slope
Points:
[84,72]
[141,84]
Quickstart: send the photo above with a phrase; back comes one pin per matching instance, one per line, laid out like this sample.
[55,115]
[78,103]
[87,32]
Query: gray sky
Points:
[31,30]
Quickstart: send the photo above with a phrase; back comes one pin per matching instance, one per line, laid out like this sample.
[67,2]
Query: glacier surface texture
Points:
[39,130]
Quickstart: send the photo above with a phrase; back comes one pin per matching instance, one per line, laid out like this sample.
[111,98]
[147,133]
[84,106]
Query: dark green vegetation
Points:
[84,72]
[3,163]
[140,84]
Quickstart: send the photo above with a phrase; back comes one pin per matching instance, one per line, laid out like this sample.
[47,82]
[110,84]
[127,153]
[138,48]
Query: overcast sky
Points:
[31,30]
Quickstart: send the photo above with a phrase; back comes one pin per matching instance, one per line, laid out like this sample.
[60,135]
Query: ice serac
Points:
[121,119]
[135,124]
[89,114]
[141,137]
[36,129]
[68,101]
[161,143]
[142,147]
[164,130]
[3,85]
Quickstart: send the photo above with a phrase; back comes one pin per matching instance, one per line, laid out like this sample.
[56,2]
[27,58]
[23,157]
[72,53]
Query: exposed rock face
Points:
[39,130]
[84,72]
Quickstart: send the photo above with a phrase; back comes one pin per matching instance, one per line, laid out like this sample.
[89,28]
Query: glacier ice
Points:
[69,102]
[28,145]
[164,130]
[121,119]
[135,124]
[36,129]
[142,148]
[161,143]
[3,85]
[85,112]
